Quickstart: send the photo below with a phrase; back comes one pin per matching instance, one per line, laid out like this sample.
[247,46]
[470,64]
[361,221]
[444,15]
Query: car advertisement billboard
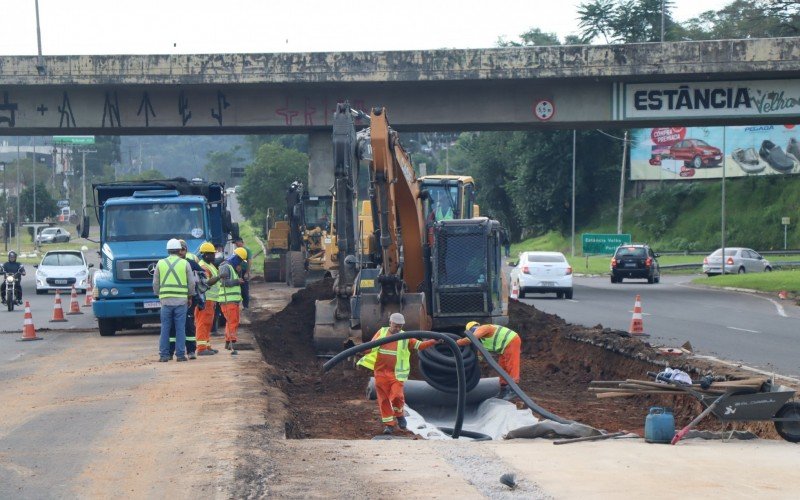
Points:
[676,153]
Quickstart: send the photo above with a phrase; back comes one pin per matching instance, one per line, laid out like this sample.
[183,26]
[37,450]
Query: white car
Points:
[543,272]
[737,261]
[60,270]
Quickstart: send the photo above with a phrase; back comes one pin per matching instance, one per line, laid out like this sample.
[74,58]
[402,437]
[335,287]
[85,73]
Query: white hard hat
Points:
[397,319]
[174,244]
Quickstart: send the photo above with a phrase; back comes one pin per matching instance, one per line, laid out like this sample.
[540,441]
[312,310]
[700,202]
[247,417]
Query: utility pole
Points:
[574,139]
[34,183]
[622,183]
[6,223]
[83,174]
[662,20]
[39,62]
[18,193]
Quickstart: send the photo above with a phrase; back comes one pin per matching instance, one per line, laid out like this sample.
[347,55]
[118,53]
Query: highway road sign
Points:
[76,140]
[602,244]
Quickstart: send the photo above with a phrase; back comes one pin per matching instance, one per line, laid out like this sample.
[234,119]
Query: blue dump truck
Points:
[136,219]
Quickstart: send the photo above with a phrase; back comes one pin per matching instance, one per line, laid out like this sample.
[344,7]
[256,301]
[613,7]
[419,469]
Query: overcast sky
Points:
[214,26]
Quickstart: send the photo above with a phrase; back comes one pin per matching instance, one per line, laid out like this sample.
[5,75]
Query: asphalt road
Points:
[751,329]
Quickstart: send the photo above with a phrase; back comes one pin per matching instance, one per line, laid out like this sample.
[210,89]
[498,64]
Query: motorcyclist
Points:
[10,268]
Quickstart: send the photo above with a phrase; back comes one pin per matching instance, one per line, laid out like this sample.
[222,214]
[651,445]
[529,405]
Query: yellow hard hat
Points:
[241,252]
[471,324]
[207,248]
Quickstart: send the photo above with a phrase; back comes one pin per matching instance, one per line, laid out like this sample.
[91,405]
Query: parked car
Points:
[696,153]
[53,235]
[543,272]
[737,260]
[60,270]
[637,261]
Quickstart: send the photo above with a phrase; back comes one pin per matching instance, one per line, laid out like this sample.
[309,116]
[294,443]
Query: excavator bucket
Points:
[375,315]
[330,334]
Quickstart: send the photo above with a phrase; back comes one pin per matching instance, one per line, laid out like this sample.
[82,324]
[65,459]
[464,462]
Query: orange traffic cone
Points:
[58,311]
[28,331]
[74,307]
[515,290]
[637,326]
[89,295]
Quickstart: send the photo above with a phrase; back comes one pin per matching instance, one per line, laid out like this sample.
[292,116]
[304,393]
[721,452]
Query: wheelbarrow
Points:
[770,403]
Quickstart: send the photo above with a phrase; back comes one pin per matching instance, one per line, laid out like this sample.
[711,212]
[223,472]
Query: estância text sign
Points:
[706,99]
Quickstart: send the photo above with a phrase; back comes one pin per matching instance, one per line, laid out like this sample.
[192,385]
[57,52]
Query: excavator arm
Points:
[397,199]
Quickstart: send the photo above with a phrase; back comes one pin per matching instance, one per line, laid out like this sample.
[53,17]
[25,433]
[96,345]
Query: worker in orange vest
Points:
[391,364]
[502,340]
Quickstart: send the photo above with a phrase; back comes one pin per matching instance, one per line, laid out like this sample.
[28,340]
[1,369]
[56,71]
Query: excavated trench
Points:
[558,362]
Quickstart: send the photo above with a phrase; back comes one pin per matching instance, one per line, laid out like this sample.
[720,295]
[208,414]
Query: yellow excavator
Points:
[296,246]
[418,258]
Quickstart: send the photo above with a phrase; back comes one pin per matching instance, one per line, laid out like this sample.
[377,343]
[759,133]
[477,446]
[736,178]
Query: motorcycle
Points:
[11,280]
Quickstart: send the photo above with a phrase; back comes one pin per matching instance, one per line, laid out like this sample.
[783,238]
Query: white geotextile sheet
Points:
[493,417]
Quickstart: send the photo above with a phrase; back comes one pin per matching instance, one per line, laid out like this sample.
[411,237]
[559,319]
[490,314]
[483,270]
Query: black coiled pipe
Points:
[438,366]
[419,334]
[513,385]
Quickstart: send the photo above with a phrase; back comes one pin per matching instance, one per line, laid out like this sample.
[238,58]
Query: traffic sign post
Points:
[785,222]
[603,244]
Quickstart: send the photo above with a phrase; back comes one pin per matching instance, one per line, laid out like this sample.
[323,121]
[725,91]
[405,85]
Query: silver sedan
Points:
[737,261]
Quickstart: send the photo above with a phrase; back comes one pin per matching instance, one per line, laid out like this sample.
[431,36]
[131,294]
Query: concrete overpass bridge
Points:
[684,83]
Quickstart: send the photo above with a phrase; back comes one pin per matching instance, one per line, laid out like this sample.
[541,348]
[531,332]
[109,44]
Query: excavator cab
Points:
[448,197]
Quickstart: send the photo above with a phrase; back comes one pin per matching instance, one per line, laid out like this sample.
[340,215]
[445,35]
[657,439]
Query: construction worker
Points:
[174,283]
[502,340]
[191,337]
[230,295]
[391,364]
[245,272]
[205,317]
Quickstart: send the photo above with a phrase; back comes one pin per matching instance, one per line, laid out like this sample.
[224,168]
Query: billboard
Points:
[676,153]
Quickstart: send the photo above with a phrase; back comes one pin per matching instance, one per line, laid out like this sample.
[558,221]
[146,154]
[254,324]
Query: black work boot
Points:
[388,430]
[401,422]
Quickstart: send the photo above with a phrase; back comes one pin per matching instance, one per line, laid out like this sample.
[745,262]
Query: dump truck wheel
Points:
[272,270]
[107,327]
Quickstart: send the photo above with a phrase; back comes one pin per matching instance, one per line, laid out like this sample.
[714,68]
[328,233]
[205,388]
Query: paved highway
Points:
[750,329]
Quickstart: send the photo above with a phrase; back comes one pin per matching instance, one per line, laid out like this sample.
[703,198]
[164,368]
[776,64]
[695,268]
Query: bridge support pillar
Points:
[320,163]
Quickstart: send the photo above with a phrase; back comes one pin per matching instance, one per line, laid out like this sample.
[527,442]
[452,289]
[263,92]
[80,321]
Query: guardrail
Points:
[777,264]
[708,252]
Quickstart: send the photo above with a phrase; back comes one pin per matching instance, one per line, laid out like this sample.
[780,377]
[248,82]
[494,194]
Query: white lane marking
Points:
[791,378]
[777,305]
[779,308]
[743,329]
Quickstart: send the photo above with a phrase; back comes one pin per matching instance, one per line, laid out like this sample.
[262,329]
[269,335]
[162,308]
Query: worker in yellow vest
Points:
[205,317]
[502,340]
[391,364]
[230,295]
[174,283]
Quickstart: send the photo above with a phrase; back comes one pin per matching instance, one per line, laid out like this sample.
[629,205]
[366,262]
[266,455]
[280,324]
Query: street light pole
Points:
[16,221]
[622,183]
[574,133]
[34,183]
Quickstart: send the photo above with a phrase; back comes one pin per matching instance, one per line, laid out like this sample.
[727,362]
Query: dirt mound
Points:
[558,362]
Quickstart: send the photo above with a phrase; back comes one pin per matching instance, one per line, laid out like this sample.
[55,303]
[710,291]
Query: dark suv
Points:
[635,261]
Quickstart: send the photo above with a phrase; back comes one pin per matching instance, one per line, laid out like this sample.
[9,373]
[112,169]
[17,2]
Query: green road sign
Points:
[603,244]
[76,140]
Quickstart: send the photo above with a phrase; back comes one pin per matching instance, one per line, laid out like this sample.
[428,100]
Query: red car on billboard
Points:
[696,153]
